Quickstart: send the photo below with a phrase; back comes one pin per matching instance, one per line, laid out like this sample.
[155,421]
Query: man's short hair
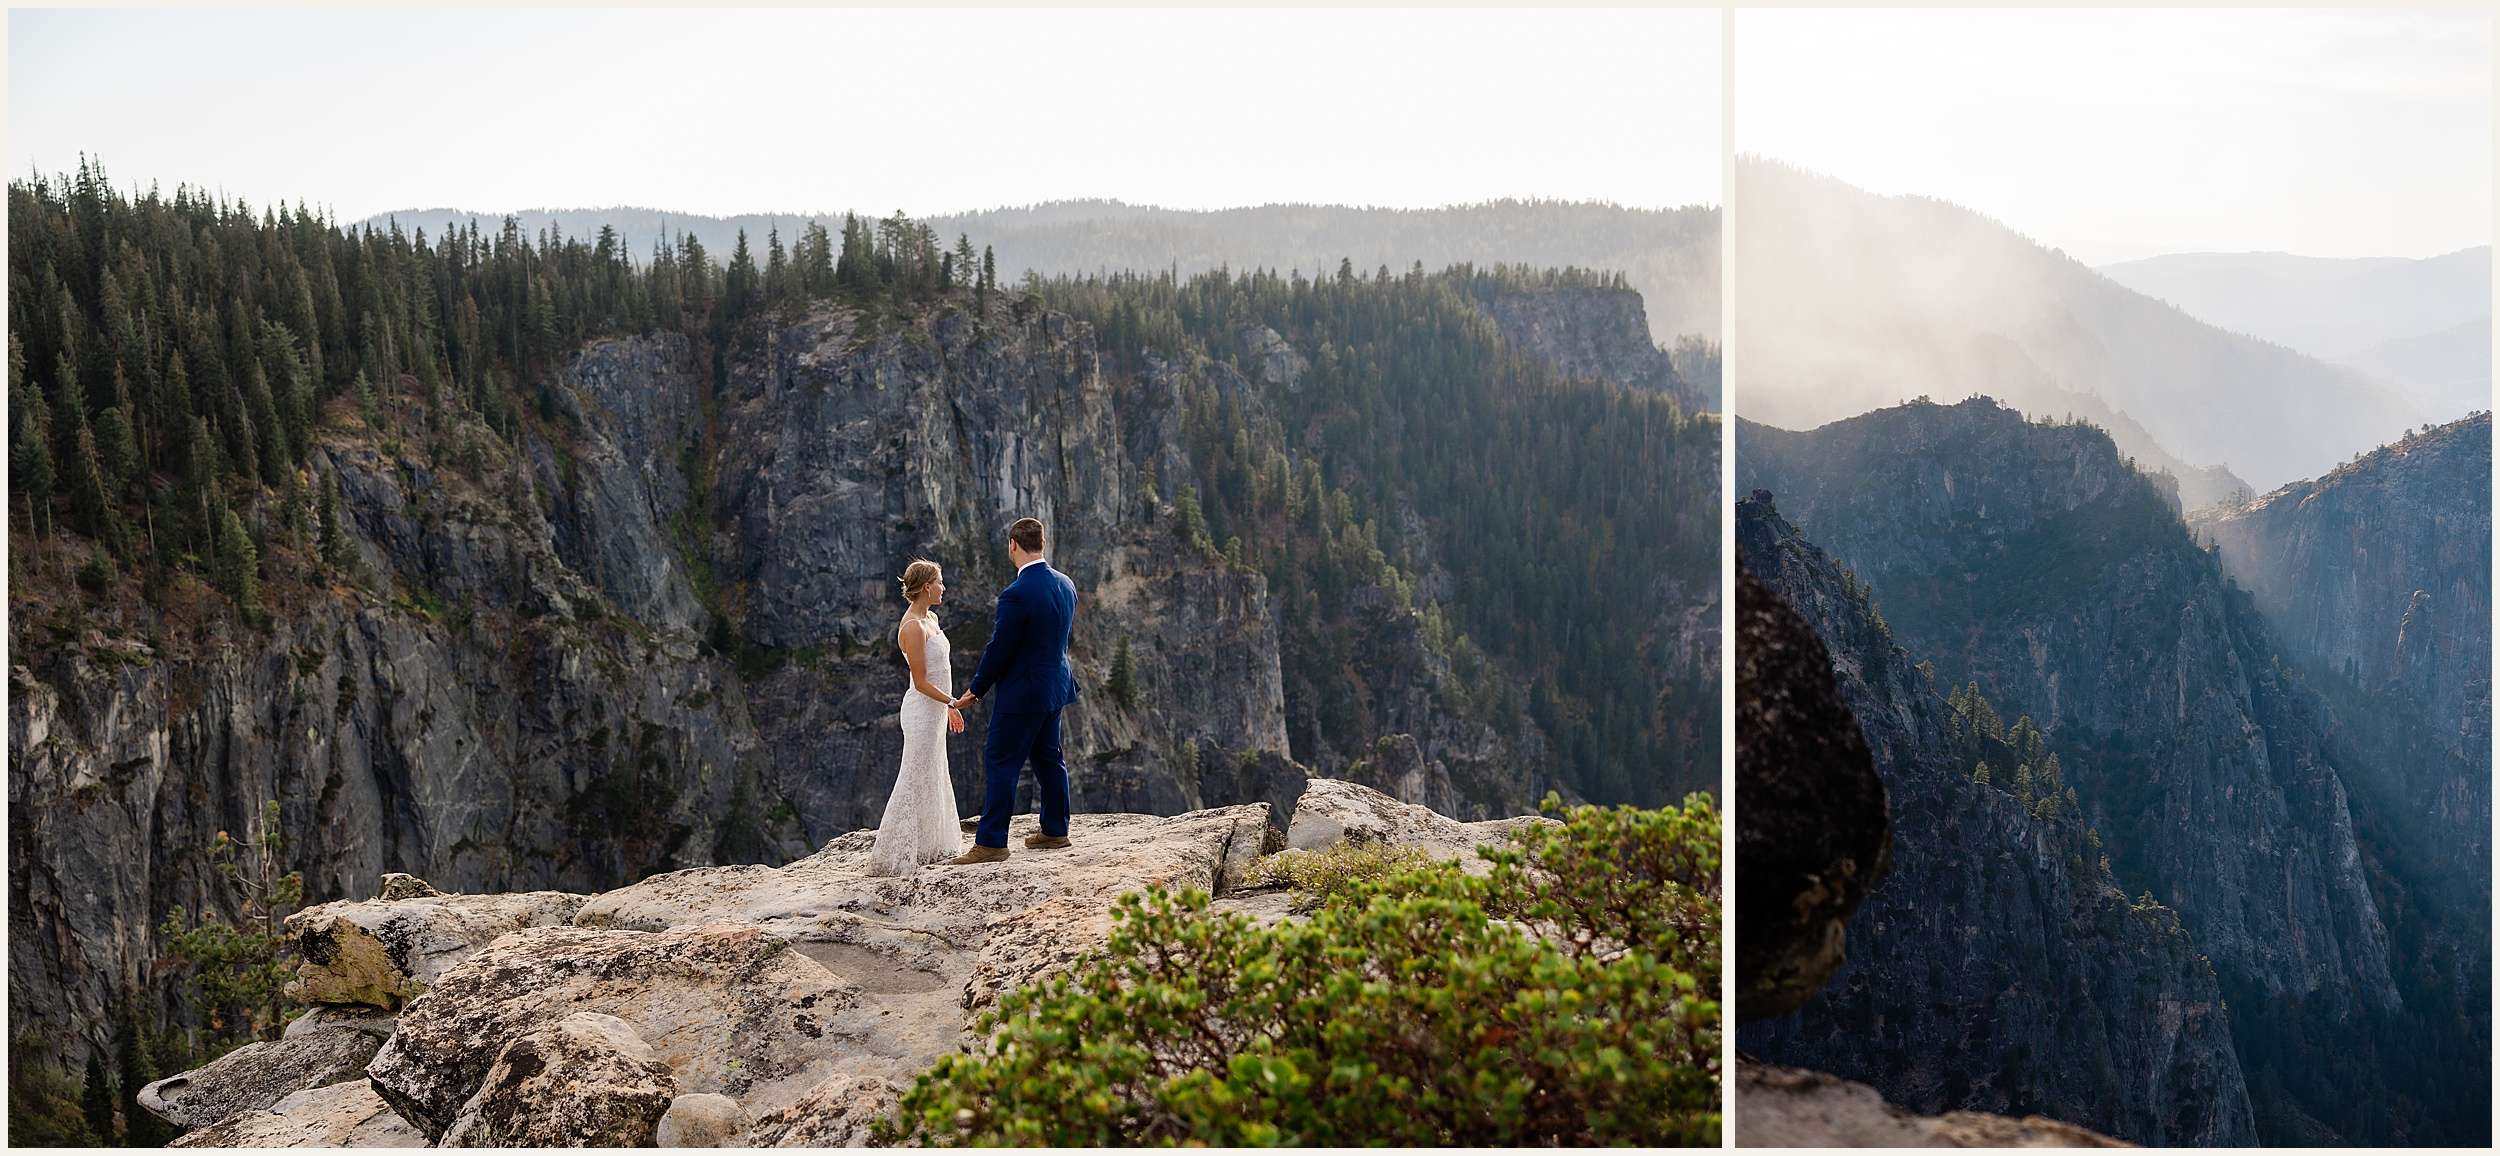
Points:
[1027,535]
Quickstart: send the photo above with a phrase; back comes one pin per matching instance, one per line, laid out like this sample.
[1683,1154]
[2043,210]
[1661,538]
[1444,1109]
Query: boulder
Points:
[255,1076]
[1813,829]
[1333,811]
[585,1081]
[839,1113]
[330,1017]
[398,885]
[701,1120]
[345,1115]
[385,952]
[728,1008]
[1794,1108]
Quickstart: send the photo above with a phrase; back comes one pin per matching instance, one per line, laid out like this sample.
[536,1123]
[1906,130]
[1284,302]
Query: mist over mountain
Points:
[2321,306]
[1854,301]
[1670,256]
[2420,326]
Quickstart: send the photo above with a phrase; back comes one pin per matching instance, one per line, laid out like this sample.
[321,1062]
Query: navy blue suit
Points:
[1027,662]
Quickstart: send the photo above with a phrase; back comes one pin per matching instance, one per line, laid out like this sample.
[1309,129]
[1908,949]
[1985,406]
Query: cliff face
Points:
[1997,968]
[655,634]
[2032,559]
[2377,581]
[1592,332]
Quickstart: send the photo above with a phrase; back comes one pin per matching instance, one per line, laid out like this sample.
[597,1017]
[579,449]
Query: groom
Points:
[1027,660]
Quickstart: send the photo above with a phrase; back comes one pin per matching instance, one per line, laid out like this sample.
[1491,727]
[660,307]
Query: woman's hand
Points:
[954,720]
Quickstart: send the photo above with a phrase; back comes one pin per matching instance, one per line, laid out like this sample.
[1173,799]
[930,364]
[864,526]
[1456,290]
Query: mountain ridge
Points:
[1856,301]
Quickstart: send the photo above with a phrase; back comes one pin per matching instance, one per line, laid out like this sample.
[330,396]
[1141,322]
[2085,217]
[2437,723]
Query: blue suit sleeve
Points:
[1006,633]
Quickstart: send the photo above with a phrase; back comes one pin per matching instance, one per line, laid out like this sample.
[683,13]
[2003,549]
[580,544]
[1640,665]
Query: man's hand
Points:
[963,702]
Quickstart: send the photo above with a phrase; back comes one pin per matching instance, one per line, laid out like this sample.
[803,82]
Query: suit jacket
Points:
[1027,657]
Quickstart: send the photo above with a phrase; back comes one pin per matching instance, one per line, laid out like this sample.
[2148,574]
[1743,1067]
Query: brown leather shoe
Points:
[979,854]
[1040,842]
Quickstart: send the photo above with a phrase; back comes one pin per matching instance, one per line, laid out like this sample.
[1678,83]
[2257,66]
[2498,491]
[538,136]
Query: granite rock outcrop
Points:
[795,1003]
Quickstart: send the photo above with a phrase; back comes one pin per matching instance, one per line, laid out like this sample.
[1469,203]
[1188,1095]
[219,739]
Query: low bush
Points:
[1318,876]
[1570,997]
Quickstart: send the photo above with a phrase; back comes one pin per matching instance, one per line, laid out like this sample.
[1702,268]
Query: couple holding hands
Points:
[1024,673]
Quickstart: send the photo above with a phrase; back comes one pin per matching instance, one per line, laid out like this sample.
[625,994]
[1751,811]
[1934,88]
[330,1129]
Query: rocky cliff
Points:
[1592,331]
[2377,581]
[2033,559]
[1999,967]
[648,631]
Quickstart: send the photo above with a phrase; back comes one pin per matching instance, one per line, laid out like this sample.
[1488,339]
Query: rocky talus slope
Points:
[654,635]
[2377,580]
[716,1006]
[2033,559]
[1995,968]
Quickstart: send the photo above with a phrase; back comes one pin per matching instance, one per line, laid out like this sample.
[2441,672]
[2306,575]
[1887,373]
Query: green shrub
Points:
[1318,876]
[1569,997]
[239,968]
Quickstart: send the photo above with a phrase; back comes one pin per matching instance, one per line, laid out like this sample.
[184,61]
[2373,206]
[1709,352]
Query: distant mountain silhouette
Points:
[2323,307]
[2446,372]
[1851,301]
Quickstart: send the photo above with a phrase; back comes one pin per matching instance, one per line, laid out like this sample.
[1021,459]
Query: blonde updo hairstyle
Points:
[918,575]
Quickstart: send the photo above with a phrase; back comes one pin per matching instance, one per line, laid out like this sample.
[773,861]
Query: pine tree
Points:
[368,406]
[118,450]
[141,1128]
[1123,681]
[743,283]
[30,458]
[238,563]
[778,284]
[95,1101]
[815,260]
[90,507]
[70,402]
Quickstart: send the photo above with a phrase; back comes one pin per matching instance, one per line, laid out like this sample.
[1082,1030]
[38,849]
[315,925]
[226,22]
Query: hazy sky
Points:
[2124,133]
[928,111]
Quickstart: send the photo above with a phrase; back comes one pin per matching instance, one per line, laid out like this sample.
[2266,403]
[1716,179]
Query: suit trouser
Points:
[1014,739]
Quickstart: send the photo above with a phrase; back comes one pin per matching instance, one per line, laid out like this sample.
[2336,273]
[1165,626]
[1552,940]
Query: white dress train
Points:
[920,825]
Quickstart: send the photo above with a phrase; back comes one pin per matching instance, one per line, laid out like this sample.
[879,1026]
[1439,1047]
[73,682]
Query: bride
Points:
[920,824]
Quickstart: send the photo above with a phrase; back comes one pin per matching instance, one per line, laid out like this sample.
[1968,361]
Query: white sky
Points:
[2123,133]
[721,112]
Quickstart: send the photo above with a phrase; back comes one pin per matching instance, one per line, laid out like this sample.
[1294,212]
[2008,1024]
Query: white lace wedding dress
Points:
[920,825]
